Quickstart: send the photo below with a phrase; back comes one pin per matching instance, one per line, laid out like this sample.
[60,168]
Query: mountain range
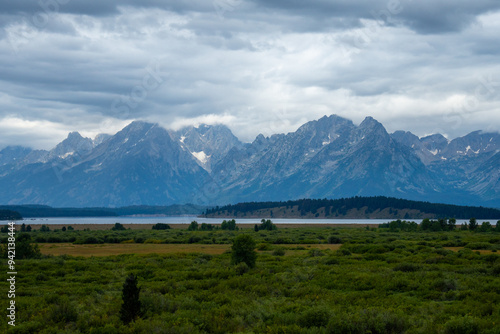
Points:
[146,164]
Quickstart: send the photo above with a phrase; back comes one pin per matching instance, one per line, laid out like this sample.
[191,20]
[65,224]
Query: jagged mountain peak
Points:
[138,131]
[325,123]
[207,143]
[73,144]
[139,125]
[369,123]
[474,143]
[372,131]
[74,135]
[435,143]
[259,140]
[405,137]
[436,137]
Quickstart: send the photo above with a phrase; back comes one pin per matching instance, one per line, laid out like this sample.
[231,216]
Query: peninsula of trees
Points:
[379,207]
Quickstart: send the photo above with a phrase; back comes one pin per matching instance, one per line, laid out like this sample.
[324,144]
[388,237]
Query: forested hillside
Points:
[10,215]
[356,207]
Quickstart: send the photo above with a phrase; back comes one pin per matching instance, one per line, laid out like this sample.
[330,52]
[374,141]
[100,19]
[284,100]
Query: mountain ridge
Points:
[146,164]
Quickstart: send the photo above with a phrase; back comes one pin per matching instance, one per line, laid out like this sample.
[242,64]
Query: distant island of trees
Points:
[356,207]
[43,211]
[10,215]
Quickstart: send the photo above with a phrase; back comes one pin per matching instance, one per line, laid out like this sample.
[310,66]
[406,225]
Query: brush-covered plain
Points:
[373,281]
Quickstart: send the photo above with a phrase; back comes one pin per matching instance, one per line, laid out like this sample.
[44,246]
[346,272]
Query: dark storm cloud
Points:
[98,8]
[257,66]
[424,16]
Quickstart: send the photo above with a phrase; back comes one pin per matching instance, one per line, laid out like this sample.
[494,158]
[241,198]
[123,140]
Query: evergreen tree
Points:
[452,223]
[193,226]
[472,224]
[131,307]
[231,225]
[243,250]
[118,227]
[24,248]
[224,225]
[485,227]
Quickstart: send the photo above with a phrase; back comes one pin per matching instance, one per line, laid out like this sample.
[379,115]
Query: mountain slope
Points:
[140,164]
[145,164]
[331,158]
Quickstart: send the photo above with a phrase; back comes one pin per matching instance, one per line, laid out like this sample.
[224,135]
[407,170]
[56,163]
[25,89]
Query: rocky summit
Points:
[145,164]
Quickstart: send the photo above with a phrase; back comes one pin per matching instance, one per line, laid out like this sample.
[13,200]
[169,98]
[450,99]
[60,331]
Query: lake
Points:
[189,219]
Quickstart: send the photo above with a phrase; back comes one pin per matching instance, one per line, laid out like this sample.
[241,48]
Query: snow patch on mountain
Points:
[201,156]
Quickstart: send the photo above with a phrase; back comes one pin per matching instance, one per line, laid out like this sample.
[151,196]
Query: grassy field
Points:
[117,249]
[306,280]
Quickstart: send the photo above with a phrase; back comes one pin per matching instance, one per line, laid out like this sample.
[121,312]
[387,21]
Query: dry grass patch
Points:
[481,251]
[132,248]
[317,246]
[117,249]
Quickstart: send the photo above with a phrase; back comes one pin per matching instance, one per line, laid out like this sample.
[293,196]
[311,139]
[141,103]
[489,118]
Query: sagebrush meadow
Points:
[305,280]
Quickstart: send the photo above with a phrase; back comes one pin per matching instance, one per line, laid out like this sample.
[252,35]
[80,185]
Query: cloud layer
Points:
[256,66]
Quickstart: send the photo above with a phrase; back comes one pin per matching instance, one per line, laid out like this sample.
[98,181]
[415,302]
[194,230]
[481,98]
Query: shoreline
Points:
[147,226]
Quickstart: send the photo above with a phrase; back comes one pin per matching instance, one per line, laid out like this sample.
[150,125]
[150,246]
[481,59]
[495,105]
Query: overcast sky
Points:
[263,66]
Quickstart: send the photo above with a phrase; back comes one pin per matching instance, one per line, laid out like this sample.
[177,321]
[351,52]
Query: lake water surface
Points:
[189,219]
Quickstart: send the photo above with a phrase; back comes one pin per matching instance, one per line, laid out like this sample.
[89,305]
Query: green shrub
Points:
[334,240]
[331,261]
[161,226]
[406,267]
[241,268]
[63,311]
[92,240]
[316,252]
[369,321]
[496,269]
[194,239]
[279,252]
[314,317]
[478,245]
[343,252]
[461,325]
[263,246]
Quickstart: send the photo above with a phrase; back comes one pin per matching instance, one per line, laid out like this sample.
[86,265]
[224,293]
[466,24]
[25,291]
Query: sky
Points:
[256,66]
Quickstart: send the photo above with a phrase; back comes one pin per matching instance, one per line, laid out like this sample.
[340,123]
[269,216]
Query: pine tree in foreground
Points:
[131,307]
